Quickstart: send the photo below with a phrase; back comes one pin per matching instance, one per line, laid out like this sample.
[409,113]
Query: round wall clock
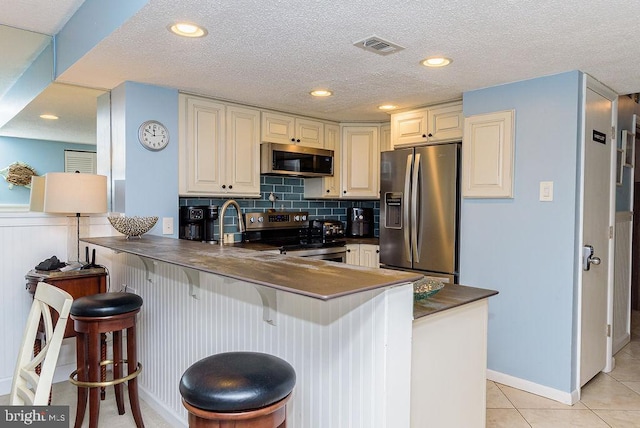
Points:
[153,135]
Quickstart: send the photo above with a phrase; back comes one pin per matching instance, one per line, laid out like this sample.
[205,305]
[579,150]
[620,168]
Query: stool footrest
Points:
[87,384]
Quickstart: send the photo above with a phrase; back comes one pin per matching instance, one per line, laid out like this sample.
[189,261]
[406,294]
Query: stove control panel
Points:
[276,220]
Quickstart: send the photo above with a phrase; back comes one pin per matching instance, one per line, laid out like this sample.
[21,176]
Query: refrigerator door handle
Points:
[407,207]
[415,192]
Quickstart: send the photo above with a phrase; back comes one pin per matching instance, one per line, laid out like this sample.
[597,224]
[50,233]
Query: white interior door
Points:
[595,233]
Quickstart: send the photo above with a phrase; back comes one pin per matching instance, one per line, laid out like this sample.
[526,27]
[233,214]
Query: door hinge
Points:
[610,232]
[608,330]
[613,132]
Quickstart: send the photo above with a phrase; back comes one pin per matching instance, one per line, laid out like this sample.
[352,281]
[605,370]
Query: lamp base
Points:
[77,227]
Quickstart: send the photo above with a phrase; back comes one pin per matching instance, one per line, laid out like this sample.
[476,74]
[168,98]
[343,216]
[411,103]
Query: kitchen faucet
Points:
[222,211]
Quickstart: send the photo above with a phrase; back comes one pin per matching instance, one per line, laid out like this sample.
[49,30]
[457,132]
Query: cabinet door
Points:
[243,151]
[385,137]
[445,123]
[487,156]
[369,255]
[360,162]
[277,128]
[201,153]
[409,128]
[353,254]
[309,133]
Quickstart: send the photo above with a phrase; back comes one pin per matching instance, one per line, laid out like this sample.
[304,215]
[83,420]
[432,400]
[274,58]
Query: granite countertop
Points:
[309,277]
[449,297]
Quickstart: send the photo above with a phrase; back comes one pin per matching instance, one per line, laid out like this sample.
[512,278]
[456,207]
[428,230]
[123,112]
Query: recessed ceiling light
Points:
[436,61]
[186,29]
[49,116]
[321,93]
[387,107]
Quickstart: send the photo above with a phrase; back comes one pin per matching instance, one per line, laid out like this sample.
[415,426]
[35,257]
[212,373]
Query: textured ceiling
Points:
[272,53]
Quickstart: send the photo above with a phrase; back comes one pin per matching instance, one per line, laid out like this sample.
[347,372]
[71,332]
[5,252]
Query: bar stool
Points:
[237,389]
[93,316]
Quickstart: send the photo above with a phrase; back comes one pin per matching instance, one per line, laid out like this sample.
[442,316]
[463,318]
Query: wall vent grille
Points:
[378,45]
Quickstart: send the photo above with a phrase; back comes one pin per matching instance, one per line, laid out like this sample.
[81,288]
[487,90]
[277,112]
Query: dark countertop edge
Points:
[380,285]
[451,296]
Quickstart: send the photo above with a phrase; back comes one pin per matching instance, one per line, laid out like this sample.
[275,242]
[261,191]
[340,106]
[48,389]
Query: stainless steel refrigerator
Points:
[419,207]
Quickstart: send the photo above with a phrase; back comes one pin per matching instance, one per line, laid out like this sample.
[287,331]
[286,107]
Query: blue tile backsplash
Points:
[290,197]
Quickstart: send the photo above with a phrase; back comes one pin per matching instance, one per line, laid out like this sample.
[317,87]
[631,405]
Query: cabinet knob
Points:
[378,251]
[230,186]
[298,140]
[424,135]
[224,186]
[430,134]
[344,191]
[328,190]
[348,251]
[293,140]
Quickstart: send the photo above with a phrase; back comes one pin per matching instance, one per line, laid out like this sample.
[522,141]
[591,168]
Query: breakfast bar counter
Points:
[309,277]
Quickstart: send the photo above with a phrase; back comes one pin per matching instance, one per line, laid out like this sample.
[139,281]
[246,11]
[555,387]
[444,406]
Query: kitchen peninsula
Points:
[346,330]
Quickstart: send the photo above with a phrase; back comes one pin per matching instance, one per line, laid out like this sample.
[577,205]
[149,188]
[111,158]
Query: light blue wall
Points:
[148,180]
[524,248]
[44,156]
[91,23]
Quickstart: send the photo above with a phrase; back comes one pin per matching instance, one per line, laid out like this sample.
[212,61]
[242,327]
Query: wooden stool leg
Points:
[81,352]
[132,366]
[103,369]
[117,369]
[94,376]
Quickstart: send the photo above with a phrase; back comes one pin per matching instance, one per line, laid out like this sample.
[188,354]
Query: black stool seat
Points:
[237,381]
[105,304]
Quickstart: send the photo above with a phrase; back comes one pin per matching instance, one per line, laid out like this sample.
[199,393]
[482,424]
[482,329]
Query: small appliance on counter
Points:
[360,222]
[197,223]
[325,231]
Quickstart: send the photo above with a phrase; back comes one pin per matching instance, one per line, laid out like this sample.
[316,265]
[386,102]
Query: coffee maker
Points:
[360,222]
[197,223]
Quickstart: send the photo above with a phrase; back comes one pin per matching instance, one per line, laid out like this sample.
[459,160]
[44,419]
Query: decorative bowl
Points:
[132,226]
[426,287]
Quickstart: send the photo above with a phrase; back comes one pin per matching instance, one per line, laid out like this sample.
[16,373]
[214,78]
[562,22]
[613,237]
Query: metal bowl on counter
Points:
[426,287]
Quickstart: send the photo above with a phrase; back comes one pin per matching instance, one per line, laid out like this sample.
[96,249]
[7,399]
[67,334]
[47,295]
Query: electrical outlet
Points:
[167,225]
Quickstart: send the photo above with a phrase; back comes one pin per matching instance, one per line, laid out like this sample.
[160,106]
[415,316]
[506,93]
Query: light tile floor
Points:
[608,400]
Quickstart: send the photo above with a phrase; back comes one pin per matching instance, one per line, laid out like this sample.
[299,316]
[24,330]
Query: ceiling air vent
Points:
[378,45]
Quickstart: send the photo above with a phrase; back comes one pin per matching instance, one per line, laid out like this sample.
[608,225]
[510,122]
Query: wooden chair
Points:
[29,388]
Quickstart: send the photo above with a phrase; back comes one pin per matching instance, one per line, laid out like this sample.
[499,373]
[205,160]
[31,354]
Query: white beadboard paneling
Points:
[26,239]
[344,351]
[622,281]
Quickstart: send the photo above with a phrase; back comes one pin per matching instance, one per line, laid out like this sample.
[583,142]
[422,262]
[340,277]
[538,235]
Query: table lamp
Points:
[74,193]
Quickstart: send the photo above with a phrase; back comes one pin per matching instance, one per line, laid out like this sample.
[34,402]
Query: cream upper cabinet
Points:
[219,149]
[360,162]
[327,187]
[285,129]
[385,137]
[427,125]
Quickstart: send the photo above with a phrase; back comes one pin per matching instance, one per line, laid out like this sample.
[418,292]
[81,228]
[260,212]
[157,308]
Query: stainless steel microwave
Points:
[290,159]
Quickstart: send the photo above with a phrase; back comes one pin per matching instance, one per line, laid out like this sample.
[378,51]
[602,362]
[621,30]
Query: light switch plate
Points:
[167,225]
[546,191]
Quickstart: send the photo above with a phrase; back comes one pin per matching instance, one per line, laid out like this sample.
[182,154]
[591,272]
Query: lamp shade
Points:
[66,192]
[36,198]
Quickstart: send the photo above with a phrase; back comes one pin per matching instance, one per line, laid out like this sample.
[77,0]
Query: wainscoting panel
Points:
[339,349]
[622,281]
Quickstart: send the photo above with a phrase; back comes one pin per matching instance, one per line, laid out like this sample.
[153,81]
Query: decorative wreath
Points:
[18,174]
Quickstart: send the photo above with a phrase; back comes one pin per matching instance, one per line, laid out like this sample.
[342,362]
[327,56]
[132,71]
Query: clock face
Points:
[153,135]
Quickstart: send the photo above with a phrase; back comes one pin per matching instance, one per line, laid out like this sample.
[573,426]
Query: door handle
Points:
[588,258]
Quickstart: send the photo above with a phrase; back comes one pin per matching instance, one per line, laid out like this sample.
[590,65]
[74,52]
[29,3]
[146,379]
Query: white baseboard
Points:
[174,419]
[569,398]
